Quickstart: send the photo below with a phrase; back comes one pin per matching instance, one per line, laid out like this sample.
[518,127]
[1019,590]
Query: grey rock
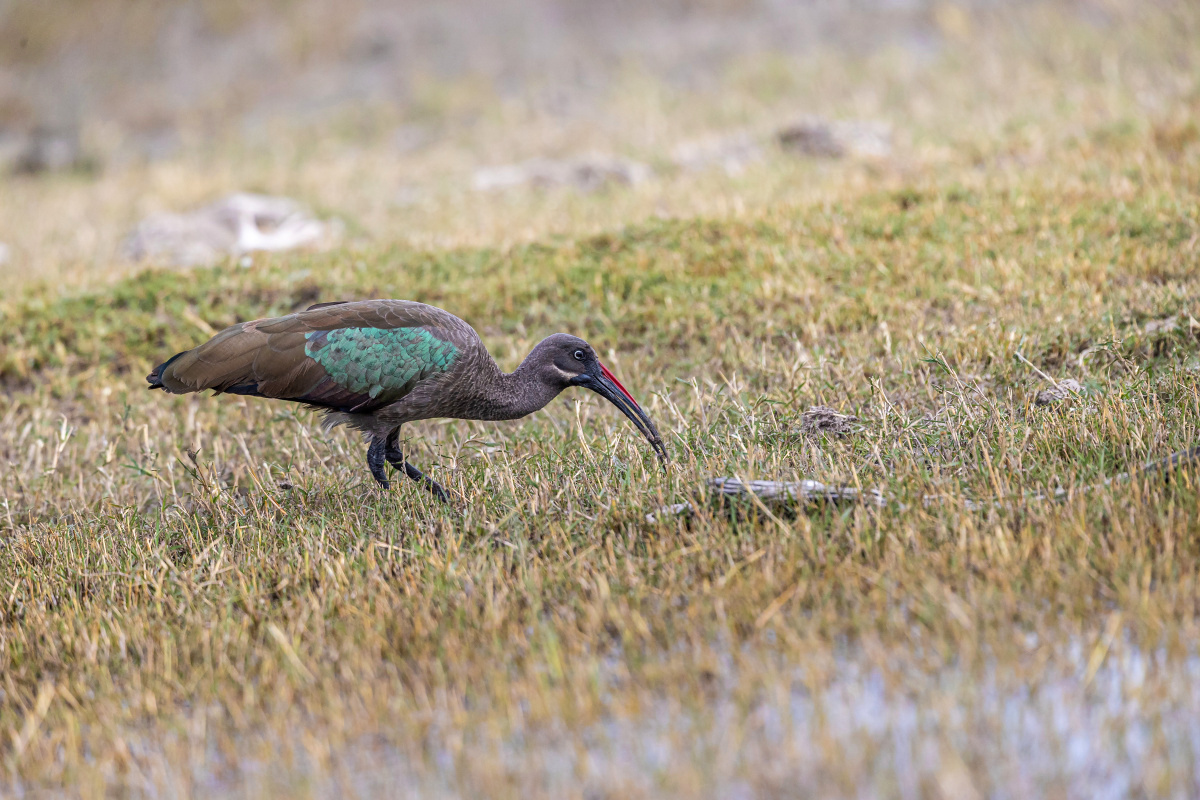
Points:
[1171,324]
[821,138]
[667,512]
[1059,392]
[12,145]
[1165,325]
[822,419]
[51,150]
[585,173]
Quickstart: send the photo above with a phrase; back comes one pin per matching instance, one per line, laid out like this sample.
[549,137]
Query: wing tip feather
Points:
[155,378]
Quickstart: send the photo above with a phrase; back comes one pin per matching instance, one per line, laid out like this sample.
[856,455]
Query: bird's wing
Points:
[353,356]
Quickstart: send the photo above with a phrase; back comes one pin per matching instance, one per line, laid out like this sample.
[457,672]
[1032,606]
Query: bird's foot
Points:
[377,462]
[396,458]
[429,483]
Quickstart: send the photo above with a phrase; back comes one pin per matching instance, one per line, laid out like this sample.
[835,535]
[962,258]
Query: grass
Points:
[206,596]
[258,618]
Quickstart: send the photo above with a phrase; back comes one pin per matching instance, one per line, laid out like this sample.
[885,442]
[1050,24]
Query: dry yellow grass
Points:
[260,620]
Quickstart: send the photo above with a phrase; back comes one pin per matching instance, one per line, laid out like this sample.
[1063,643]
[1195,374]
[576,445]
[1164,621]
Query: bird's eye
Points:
[579,355]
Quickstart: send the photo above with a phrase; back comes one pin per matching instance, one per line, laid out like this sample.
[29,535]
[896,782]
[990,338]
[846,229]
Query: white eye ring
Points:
[579,355]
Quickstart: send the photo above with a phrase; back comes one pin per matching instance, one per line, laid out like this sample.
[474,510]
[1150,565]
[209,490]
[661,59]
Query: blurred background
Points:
[487,122]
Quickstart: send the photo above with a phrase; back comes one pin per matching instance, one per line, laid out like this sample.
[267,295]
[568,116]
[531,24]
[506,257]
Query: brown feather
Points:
[267,357]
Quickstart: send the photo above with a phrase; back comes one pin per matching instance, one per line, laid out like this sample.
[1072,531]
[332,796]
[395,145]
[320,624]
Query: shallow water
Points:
[997,731]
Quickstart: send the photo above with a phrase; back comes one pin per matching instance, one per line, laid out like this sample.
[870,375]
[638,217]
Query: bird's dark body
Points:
[376,364]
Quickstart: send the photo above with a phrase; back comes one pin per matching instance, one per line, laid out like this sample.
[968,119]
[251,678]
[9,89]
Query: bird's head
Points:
[564,360]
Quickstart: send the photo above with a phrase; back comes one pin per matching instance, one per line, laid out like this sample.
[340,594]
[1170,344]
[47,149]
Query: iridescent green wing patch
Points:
[380,363]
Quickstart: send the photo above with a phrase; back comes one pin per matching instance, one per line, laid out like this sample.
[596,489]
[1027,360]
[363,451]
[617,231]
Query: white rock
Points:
[5,254]
[237,224]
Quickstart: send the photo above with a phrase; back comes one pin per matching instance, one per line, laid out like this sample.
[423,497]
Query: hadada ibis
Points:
[377,364]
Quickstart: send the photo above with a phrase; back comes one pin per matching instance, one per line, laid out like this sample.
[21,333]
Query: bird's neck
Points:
[512,395]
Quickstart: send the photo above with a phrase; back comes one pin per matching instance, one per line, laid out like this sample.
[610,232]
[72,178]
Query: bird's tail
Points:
[155,377]
[224,363]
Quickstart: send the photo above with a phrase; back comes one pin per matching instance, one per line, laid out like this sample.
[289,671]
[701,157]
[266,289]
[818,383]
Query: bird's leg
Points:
[396,458]
[376,458]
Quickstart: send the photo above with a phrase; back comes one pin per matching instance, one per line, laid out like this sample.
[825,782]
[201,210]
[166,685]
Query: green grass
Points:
[259,618]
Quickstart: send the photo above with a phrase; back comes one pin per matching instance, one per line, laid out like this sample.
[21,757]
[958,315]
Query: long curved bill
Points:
[607,386]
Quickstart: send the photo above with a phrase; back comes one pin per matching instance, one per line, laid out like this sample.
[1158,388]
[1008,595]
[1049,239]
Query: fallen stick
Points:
[793,494]
[804,492]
